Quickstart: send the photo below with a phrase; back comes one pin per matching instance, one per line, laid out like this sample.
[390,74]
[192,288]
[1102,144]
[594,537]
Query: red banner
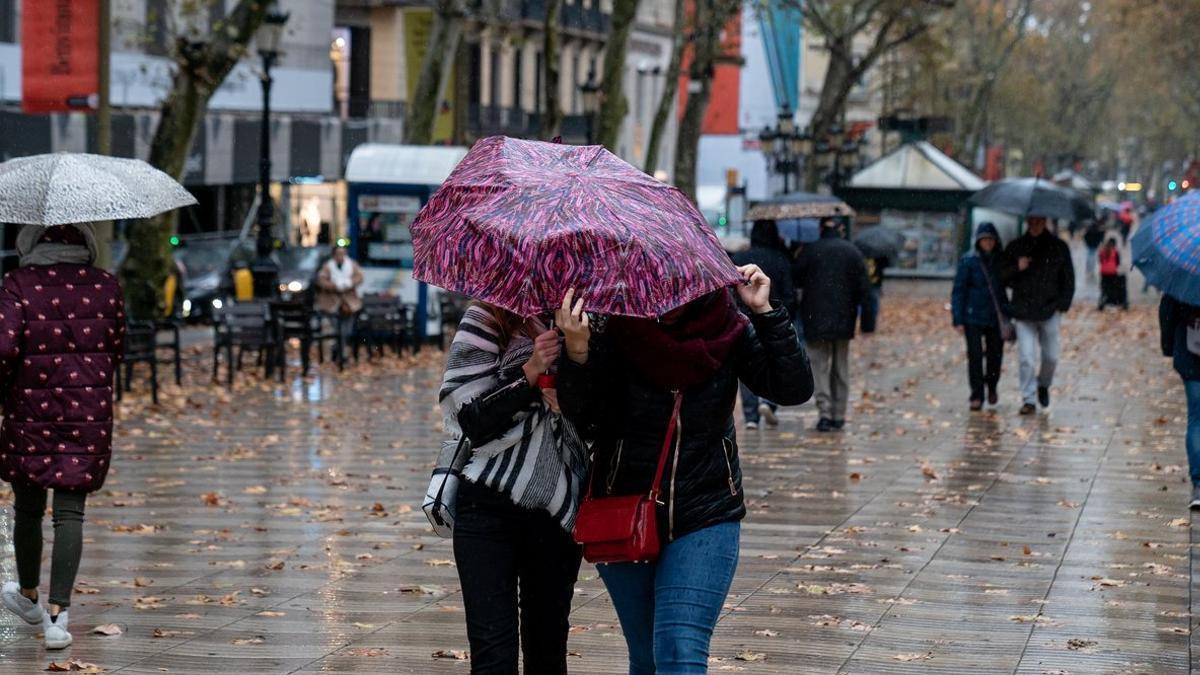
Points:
[59,44]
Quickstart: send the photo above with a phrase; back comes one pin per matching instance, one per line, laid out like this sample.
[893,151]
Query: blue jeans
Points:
[750,402]
[668,608]
[1192,389]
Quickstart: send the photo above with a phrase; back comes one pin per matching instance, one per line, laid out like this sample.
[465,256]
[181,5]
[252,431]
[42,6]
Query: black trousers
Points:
[516,567]
[985,354]
[29,506]
[1114,291]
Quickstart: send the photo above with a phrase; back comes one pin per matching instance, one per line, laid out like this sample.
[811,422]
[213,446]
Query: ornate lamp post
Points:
[264,269]
[591,104]
[785,148]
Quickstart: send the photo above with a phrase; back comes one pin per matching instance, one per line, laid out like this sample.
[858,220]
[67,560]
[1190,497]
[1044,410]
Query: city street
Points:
[277,529]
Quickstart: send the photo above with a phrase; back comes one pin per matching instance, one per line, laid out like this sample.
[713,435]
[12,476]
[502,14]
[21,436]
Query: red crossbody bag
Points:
[625,528]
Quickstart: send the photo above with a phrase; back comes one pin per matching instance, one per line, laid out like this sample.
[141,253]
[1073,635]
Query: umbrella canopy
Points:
[879,241]
[799,205]
[803,230]
[518,223]
[1166,248]
[67,187]
[1034,197]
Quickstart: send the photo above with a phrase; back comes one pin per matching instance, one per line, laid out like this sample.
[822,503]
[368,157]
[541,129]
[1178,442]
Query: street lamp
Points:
[264,269]
[785,147]
[591,103]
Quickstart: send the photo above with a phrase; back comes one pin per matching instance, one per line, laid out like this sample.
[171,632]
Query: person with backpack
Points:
[1113,289]
[62,326]
[978,304]
[1180,334]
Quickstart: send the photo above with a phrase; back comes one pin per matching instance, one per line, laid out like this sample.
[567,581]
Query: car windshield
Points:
[201,258]
[304,260]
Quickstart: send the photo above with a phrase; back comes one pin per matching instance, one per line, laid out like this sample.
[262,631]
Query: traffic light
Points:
[1185,184]
[175,239]
[1171,185]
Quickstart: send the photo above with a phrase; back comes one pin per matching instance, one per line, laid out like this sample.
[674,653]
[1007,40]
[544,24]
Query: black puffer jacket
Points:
[627,418]
[1048,285]
[832,276]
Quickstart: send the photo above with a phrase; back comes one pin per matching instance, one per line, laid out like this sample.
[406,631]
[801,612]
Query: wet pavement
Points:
[278,529]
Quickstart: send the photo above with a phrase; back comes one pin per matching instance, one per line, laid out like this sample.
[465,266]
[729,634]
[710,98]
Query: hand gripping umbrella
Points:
[518,223]
[1166,248]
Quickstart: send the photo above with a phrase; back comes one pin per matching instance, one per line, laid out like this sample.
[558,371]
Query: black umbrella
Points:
[879,241]
[1034,197]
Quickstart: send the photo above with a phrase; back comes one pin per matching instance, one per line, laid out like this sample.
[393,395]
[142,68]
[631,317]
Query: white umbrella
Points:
[67,187]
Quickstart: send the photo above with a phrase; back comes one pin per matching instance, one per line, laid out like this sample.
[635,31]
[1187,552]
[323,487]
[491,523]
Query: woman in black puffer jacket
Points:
[620,386]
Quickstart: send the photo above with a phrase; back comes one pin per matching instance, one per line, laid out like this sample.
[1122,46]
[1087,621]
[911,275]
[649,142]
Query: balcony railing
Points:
[571,16]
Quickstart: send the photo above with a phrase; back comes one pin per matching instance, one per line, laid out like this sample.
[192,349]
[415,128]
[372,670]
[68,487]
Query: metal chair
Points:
[297,319]
[141,342]
[173,343]
[240,326]
[382,322]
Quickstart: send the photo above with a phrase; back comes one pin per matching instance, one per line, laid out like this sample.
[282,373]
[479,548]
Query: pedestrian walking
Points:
[521,466]
[1037,267]
[1180,330]
[768,252]
[625,385]
[978,304]
[1093,237]
[832,277]
[62,322]
[870,311]
[337,295]
[1113,287]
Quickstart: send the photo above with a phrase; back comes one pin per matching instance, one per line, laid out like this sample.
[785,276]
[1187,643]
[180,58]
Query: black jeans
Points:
[29,505]
[984,344]
[509,558]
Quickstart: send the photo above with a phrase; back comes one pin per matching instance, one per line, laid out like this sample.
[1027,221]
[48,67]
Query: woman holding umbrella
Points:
[681,374]
[1166,249]
[62,322]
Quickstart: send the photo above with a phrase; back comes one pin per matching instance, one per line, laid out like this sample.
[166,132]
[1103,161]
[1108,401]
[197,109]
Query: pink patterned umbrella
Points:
[518,223]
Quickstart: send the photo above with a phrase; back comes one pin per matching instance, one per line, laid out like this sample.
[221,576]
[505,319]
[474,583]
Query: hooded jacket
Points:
[971,302]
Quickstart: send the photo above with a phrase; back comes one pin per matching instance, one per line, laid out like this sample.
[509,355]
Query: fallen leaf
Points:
[766,632]
[271,614]
[256,640]
[147,602]
[440,563]
[74,666]
[369,652]
[751,656]
[1076,644]
[107,629]
[453,654]
[1179,522]
[142,582]
[164,633]
[913,656]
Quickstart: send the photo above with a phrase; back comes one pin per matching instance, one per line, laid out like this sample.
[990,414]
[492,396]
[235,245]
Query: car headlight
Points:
[217,303]
[187,307]
[295,286]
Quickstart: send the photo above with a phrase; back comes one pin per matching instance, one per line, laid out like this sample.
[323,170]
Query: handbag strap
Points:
[987,277]
[672,427]
[450,470]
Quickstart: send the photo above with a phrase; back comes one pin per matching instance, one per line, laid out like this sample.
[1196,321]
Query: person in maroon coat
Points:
[62,322]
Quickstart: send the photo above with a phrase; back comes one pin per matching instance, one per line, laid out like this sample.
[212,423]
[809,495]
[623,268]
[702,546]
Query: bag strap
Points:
[450,470]
[987,277]
[666,449]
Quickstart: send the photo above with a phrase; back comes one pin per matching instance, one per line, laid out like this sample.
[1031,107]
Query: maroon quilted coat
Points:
[61,329]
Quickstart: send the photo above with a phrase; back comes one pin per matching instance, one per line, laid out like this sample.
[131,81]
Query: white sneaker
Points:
[751,425]
[31,612]
[55,629]
[768,415]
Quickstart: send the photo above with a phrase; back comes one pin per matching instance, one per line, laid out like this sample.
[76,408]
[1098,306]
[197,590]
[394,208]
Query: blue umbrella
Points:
[1166,248]
[803,230]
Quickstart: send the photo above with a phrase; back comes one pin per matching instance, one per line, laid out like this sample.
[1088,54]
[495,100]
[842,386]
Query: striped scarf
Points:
[540,462]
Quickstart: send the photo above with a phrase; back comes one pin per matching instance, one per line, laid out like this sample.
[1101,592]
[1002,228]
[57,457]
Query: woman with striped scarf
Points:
[519,491]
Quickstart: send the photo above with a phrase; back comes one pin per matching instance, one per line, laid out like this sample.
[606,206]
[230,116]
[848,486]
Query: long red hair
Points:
[509,324]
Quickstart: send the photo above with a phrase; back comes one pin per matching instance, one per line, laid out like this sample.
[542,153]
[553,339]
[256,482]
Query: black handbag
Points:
[1008,332]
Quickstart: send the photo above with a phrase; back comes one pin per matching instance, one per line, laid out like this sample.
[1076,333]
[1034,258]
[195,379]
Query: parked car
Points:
[204,266]
[298,267]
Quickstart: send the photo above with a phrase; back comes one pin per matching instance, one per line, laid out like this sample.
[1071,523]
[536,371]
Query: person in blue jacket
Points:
[976,295]
[1180,324]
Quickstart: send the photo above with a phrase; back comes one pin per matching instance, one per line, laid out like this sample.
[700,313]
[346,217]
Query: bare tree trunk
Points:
[710,19]
[200,70]
[614,106]
[839,79]
[552,108]
[444,37]
[666,102]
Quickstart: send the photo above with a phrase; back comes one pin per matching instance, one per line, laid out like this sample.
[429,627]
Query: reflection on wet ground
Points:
[277,529]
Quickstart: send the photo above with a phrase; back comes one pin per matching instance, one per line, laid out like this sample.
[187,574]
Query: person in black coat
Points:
[832,276]
[974,301]
[1180,324]
[1037,267]
[768,252]
[620,386]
